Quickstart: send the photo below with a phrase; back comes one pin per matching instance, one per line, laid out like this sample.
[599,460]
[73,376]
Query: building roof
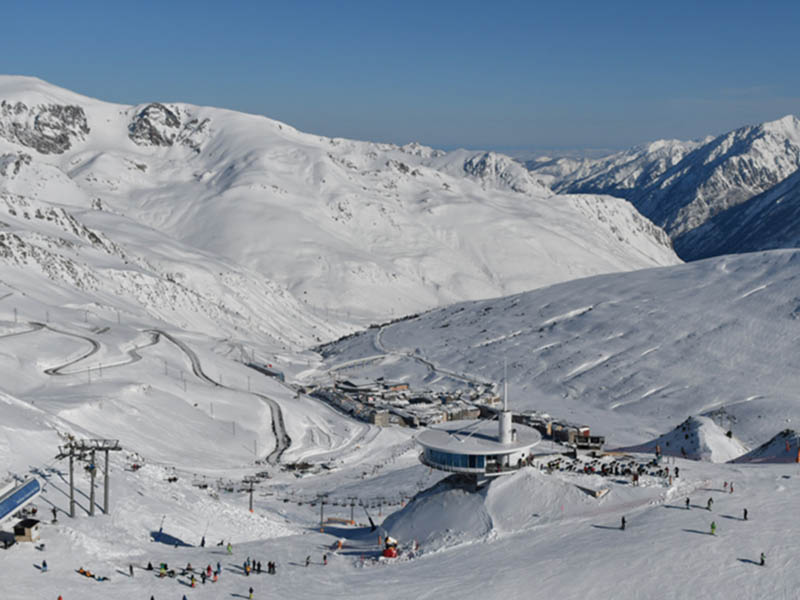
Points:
[475,437]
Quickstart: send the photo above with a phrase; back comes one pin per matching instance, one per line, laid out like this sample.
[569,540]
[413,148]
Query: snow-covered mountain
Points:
[682,186]
[634,353]
[353,229]
[146,251]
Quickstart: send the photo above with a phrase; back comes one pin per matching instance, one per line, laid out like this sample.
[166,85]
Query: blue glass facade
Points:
[462,461]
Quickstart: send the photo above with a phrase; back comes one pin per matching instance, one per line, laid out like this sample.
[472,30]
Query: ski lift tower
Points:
[86,450]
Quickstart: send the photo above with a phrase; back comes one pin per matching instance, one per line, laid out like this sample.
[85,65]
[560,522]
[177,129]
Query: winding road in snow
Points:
[282,439]
[58,370]
[433,368]
[383,352]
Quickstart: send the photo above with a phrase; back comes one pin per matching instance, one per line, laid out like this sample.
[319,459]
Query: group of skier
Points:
[709,505]
[254,566]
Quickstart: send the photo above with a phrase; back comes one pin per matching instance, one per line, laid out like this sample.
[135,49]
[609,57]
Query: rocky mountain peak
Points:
[47,128]
[159,125]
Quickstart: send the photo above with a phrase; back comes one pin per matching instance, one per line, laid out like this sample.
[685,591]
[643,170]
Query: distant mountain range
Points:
[737,192]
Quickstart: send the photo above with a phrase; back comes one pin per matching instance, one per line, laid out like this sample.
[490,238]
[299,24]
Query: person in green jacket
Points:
[713,528]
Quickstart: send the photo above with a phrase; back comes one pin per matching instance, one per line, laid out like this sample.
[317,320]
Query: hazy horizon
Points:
[447,75]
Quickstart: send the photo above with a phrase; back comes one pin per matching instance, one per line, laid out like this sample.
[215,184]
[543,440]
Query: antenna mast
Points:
[505,384]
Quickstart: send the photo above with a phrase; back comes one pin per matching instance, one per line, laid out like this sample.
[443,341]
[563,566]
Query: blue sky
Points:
[448,74]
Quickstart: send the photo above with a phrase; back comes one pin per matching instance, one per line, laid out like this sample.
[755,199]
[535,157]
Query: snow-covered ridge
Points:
[626,352]
[358,228]
[683,185]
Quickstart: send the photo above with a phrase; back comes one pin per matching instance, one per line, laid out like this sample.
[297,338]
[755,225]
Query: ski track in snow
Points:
[283,441]
[753,291]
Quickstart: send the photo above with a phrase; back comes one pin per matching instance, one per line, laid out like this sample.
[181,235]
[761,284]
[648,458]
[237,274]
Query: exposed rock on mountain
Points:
[48,129]
[157,125]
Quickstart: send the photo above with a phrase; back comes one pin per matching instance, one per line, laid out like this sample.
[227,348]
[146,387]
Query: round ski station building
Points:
[483,448]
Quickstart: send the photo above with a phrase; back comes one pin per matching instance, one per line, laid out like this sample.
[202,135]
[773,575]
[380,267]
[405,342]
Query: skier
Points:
[258,567]
[251,594]
[325,558]
[192,580]
[203,577]
[623,524]
[709,503]
[763,559]
[230,548]
[203,542]
[149,566]
[44,566]
[130,570]
[219,568]
[55,515]
[677,472]
[713,528]
[687,504]
[745,514]
[731,488]
[308,560]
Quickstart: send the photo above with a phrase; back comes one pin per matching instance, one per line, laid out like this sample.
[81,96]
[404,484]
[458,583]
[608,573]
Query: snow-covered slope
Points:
[355,229]
[764,222]
[697,438]
[683,185]
[634,353]
[783,448]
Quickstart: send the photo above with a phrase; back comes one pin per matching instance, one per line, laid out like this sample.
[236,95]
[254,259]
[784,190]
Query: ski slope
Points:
[632,355]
